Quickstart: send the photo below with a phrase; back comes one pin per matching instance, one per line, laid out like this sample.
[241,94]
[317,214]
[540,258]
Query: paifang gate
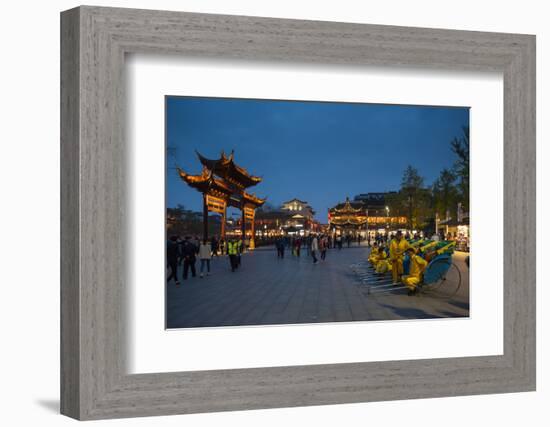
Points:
[223,183]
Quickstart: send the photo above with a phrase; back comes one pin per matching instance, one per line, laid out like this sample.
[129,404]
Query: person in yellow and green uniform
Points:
[418,265]
[233,251]
[398,246]
[382,263]
[373,256]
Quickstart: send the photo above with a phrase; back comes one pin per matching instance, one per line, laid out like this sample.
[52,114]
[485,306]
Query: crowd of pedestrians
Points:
[184,252]
[315,245]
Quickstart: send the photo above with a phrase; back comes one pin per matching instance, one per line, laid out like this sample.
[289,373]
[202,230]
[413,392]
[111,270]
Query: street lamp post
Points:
[387,219]
[367,236]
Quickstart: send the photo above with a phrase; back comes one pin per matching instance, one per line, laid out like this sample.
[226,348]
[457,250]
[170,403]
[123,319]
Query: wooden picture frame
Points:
[94,382]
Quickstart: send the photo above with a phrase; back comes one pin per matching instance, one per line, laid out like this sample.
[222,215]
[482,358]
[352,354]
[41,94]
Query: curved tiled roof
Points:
[226,168]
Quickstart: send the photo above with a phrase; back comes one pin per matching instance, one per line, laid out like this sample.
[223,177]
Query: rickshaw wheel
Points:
[447,285]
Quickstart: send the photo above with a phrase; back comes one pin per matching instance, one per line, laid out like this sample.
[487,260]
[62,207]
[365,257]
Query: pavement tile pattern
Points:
[267,290]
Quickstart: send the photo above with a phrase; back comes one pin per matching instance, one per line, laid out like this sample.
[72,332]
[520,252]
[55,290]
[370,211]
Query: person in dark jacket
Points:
[214,246]
[172,255]
[189,255]
[280,245]
[297,247]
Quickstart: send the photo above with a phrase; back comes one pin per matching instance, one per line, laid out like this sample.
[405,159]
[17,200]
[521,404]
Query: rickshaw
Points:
[441,278]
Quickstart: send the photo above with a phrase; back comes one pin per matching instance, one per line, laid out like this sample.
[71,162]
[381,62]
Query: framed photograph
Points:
[345,212]
[292,253]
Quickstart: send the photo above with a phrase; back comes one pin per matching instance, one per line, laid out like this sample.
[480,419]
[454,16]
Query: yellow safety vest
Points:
[232,248]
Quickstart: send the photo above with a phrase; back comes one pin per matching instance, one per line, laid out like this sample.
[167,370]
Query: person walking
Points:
[323,247]
[232,250]
[240,250]
[205,254]
[280,245]
[197,243]
[189,251]
[172,256]
[214,246]
[314,249]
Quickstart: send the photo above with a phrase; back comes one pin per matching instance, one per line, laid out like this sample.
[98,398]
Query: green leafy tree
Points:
[461,147]
[184,222]
[415,197]
[176,214]
[445,193]
[413,200]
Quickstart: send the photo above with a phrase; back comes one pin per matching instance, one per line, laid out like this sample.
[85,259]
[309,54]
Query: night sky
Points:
[319,152]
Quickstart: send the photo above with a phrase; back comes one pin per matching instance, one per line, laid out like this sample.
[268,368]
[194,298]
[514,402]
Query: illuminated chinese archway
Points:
[223,183]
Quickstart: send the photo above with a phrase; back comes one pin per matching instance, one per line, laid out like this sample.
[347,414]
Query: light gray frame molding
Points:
[94,41]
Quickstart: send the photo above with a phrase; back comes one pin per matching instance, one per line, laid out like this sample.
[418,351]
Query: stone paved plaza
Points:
[267,290]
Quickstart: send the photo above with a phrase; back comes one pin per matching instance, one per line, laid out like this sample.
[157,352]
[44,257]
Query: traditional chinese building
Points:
[347,217]
[299,207]
[301,216]
[272,223]
[366,213]
[223,183]
[380,216]
[292,217]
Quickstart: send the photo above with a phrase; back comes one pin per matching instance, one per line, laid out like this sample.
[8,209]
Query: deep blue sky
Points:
[316,151]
